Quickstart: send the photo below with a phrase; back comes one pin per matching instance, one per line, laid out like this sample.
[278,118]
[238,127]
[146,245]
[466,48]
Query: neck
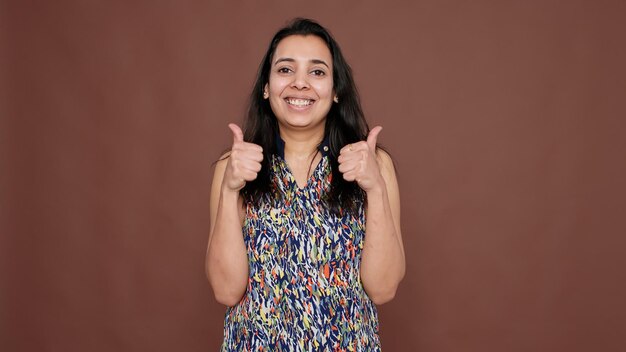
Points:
[301,144]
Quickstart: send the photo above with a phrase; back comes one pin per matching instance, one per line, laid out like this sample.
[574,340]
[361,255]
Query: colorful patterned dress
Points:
[304,290]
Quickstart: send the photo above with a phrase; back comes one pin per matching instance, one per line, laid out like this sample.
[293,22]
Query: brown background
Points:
[505,119]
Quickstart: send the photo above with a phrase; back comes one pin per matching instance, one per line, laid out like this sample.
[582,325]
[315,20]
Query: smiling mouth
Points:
[299,102]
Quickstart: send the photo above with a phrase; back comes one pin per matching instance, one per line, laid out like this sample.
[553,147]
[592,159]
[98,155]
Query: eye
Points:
[318,73]
[284,70]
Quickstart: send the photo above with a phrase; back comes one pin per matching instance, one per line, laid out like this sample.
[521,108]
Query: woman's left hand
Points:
[357,162]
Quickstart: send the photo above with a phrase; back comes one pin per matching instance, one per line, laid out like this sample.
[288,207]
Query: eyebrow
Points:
[313,61]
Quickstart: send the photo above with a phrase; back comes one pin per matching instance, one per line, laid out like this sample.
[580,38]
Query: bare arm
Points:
[382,259]
[227,259]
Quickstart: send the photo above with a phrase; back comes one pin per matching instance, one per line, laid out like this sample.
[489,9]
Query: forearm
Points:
[382,259]
[227,260]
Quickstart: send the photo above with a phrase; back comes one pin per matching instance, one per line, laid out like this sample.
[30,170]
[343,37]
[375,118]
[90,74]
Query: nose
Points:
[300,80]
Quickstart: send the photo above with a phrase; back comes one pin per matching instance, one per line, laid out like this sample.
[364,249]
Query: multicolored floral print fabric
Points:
[304,290]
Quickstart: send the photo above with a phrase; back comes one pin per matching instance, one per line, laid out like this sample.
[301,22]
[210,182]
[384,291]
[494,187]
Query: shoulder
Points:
[385,162]
[221,162]
[219,167]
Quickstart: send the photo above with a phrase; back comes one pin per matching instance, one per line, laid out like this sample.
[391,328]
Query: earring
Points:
[336,100]
[266,95]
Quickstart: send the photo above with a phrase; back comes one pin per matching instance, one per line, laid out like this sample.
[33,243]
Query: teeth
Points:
[299,102]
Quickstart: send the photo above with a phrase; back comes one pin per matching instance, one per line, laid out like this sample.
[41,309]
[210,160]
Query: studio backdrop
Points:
[505,120]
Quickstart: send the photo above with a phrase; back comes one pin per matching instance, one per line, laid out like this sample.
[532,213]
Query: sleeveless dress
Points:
[304,290]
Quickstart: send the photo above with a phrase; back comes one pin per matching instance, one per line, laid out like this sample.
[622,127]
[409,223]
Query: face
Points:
[301,82]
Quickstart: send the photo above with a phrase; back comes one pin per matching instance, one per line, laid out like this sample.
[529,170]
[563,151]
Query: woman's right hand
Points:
[244,162]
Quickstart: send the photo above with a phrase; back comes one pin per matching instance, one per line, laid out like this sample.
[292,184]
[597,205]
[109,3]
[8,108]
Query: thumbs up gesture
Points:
[244,161]
[357,162]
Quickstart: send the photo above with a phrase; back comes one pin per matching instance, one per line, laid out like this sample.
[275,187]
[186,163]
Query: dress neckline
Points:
[323,147]
[289,179]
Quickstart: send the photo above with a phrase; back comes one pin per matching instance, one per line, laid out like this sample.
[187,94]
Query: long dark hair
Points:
[345,122]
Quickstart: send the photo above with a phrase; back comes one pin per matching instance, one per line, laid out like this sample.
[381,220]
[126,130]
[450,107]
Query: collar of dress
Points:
[323,147]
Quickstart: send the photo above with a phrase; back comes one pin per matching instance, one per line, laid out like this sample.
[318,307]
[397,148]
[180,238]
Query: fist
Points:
[357,162]
[244,162]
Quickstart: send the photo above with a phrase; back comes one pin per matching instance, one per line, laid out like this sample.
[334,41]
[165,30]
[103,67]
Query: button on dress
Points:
[304,290]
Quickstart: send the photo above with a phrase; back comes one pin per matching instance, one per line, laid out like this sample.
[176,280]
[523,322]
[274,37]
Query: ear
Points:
[266,93]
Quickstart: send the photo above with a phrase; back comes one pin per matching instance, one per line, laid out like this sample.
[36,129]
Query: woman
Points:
[301,180]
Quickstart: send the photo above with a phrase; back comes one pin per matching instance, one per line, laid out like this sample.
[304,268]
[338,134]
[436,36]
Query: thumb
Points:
[372,137]
[237,134]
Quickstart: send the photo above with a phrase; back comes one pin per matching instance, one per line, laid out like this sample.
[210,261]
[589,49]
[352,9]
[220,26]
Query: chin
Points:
[300,122]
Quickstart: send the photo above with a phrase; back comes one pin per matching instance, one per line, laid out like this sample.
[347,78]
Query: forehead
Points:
[303,48]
